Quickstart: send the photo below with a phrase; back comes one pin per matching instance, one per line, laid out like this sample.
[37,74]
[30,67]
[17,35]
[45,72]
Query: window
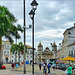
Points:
[4,51]
[5,46]
[27,52]
[74,53]
[30,52]
[27,56]
[12,60]
[8,52]
[69,53]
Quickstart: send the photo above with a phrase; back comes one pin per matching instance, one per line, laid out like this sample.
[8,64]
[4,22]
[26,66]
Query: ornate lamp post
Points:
[32,13]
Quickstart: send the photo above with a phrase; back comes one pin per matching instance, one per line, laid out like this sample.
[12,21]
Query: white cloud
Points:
[50,33]
[51,19]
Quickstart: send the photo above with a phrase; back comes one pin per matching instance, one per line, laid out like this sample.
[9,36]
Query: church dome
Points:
[47,48]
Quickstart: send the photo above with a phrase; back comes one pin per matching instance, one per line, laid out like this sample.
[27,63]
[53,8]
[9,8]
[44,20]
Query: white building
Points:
[6,51]
[71,50]
[9,57]
[68,41]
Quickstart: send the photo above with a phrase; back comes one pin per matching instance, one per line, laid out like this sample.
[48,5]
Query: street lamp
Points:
[32,13]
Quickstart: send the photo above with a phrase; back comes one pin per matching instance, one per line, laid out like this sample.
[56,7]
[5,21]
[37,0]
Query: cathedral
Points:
[47,54]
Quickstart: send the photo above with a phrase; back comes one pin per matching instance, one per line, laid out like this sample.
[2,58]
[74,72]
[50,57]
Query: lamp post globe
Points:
[34,4]
[32,13]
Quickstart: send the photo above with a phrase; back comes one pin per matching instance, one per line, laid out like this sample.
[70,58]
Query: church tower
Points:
[40,49]
[54,48]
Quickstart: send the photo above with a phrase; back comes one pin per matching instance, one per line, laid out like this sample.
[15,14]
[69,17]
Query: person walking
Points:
[16,66]
[13,65]
[45,68]
[49,65]
[53,66]
[40,65]
[69,71]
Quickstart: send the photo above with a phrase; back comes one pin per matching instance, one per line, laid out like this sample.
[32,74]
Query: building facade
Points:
[6,51]
[47,54]
[69,38]
[9,57]
[71,50]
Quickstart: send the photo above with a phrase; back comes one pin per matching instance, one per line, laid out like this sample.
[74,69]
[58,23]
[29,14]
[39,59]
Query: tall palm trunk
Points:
[19,57]
[15,57]
[1,60]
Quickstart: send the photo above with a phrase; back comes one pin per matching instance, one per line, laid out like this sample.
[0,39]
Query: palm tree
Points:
[7,27]
[18,48]
[14,50]
[21,49]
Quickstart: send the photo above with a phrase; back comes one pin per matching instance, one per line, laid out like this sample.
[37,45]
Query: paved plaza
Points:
[10,71]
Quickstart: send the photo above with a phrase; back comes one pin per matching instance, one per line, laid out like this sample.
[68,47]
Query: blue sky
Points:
[52,18]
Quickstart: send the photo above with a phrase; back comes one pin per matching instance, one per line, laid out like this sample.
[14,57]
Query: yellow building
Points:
[47,54]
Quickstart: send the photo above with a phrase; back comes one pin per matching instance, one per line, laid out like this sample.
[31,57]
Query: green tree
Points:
[18,48]
[21,49]
[7,26]
[14,49]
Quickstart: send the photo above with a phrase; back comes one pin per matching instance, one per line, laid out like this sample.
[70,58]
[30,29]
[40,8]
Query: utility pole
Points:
[24,40]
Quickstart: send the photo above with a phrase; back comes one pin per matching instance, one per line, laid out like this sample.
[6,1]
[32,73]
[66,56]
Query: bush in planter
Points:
[1,64]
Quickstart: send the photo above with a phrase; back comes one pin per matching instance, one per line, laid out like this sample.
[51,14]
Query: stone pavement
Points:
[9,72]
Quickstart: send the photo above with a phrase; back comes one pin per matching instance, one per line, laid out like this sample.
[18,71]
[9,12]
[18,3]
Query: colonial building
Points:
[47,54]
[68,41]
[9,57]
[6,51]
[71,50]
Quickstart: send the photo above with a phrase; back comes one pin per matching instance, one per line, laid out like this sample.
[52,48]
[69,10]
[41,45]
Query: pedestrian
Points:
[45,68]
[13,65]
[40,65]
[49,66]
[16,66]
[69,71]
[53,66]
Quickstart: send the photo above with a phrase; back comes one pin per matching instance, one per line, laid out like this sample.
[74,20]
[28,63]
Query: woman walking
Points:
[45,68]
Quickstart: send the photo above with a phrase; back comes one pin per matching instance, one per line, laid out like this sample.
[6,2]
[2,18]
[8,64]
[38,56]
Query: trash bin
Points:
[27,62]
